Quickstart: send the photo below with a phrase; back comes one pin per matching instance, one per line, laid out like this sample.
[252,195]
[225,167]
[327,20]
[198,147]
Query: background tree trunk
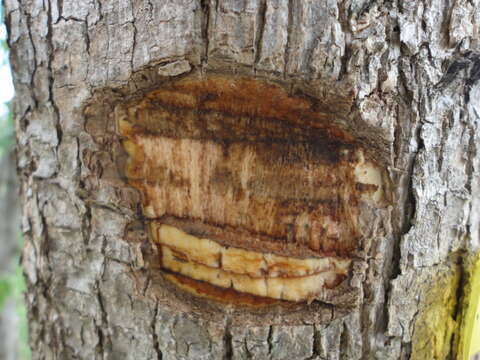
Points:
[9,238]
[411,69]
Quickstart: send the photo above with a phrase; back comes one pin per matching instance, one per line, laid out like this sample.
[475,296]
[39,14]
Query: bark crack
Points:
[227,341]
[289,36]
[50,75]
[103,326]
[102,338]
[34,50]
[259,31]
[344,343]
[206,10]
[316,343]
[474,75]
[156,343]
[60,7]
[270,339]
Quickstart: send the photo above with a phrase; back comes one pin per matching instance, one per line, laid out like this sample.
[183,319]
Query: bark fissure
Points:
[227,342]
[58,127]
[205,6]
[270,339]
[259,31]
[156,342]
[286,58]
[34,70]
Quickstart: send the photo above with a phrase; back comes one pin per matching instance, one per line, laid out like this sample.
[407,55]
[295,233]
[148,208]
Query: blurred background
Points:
[13,323]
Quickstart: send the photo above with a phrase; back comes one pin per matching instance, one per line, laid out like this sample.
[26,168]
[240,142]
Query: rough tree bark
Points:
[410,70]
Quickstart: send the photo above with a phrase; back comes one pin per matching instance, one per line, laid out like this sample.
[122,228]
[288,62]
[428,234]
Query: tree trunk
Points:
[394,81]
[9,229]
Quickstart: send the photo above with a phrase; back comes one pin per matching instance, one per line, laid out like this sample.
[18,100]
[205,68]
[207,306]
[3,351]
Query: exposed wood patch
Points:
[242,165]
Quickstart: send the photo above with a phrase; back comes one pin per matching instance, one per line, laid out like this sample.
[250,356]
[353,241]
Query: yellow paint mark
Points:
[435,325]
[469,344]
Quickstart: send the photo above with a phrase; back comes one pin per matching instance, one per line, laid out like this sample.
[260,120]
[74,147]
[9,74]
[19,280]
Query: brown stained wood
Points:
[243,163]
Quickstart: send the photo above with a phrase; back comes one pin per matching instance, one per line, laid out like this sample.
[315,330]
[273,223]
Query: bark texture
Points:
[412,70]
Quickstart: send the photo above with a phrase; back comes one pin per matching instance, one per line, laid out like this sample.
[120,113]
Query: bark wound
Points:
[247,189]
